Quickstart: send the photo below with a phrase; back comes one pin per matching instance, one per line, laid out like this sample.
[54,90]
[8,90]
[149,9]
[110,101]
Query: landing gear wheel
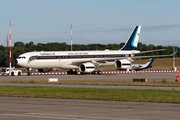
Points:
[28,73]
[99,72]
[75,72]
[96,72]
[71,72]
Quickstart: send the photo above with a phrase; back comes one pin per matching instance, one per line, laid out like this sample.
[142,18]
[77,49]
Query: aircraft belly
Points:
[106,64]
[46,64]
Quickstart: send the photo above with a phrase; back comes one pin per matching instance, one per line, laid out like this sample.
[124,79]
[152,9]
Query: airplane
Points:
[137,67]
[85,61]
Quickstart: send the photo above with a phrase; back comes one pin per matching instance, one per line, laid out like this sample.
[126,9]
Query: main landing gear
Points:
[72,72]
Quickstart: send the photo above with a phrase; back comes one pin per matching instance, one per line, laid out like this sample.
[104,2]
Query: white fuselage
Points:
[71,59]
[87,61]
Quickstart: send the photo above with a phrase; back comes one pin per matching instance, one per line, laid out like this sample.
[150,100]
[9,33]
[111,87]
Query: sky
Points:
[95,21]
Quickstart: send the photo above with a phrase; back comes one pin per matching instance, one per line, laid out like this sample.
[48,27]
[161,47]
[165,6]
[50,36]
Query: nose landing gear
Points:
[28,71]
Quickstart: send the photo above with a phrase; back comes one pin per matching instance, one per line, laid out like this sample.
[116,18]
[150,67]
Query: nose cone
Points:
[21,62]
[16,61]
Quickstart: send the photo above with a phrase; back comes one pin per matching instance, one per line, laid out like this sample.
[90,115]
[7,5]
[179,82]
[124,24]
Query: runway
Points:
[17,108]
[169,77]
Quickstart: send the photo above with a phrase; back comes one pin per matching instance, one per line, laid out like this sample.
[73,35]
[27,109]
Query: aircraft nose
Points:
[16,61]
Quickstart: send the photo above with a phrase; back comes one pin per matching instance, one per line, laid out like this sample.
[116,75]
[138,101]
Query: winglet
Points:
[174,53]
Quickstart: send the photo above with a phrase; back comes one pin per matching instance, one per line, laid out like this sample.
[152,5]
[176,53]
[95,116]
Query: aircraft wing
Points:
[104,60]
[150,51]
[136,57]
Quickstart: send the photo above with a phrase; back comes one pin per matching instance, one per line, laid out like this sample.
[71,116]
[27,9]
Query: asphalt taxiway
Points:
[169,77]
[93,86]
[17,108]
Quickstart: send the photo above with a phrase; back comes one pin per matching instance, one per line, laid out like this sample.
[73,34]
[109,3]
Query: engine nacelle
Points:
[87,67]
[122,64]
[44,70]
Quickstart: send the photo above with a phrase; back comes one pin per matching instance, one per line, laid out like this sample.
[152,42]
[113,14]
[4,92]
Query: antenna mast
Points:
[7,40]
[10,46]
[71,34]
[174,67]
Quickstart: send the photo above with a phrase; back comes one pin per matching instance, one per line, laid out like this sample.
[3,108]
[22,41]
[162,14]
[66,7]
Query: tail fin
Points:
[132,42]
[149,63]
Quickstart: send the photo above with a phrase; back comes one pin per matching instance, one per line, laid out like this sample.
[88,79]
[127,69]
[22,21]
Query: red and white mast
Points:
[174,67]
[71,35]
[7,40]
[10,45]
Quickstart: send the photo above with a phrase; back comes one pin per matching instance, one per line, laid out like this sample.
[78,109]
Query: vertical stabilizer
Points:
[149,63]
[132,42]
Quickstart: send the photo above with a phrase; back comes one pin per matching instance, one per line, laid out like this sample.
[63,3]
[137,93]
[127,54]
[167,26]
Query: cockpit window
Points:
[21,57]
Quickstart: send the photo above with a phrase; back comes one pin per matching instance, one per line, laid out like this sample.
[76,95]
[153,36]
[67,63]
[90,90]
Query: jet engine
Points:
[87,67]
[122,64]
[44,70]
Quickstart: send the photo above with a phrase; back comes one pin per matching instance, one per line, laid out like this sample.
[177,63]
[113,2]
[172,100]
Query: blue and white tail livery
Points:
[132,42]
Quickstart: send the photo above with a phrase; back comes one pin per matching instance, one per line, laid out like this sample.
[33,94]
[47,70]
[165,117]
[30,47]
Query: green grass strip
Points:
[163,96]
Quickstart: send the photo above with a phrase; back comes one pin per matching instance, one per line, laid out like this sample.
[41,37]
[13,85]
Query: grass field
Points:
[161,96]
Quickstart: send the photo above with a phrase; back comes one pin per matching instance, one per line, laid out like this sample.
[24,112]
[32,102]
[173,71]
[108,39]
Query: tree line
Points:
[20,48]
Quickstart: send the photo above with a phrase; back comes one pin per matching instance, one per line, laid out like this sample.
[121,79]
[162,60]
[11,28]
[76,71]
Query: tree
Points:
[30,44]
[39,47]
[18,44]
[29,47]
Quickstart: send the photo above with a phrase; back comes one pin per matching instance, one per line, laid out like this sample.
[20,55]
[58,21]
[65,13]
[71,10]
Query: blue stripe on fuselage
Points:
[77,56]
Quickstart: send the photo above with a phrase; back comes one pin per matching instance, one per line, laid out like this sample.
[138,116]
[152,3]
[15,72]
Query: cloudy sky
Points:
[95,21]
